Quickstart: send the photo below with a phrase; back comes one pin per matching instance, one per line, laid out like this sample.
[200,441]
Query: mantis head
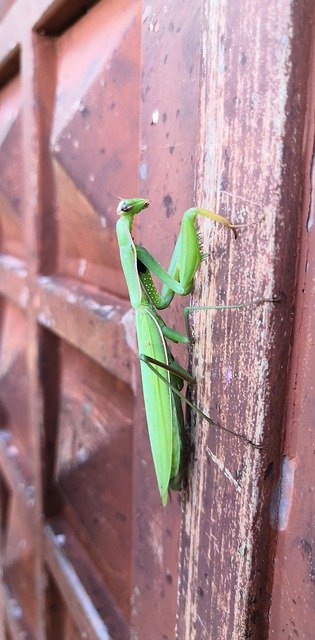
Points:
[131,206]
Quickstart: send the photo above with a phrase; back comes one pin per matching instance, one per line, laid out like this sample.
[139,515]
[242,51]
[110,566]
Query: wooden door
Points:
[183,103]
[67,338]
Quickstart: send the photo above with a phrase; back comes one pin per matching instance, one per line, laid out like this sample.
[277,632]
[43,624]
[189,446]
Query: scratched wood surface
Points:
[251,163]
[184,103]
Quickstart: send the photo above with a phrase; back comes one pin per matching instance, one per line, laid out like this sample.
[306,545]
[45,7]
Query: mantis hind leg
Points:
[150,362]
[244,305]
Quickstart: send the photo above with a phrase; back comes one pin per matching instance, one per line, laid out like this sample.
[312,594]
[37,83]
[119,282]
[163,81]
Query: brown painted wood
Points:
[293,602]
[67,335]
[250,163]
[189,103]
[170,47]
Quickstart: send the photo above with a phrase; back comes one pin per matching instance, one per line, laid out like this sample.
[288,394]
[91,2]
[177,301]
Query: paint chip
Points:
[281,500]
[155,116]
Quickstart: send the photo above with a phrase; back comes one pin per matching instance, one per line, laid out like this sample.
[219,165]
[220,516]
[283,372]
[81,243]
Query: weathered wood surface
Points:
[68,139]
[252,110]
[217,94]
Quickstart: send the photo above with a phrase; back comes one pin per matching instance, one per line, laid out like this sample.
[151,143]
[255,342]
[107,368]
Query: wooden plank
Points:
[170,77]
[11,29]
[249,165]
[14,616]
[13,280]
[36,62]
[98,324]
[293,603]
[53,16]
[16,470]
[86,596]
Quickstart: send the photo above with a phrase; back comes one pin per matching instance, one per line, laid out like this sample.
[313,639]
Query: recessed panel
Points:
[93,465]
[11,232]
[4,6]
[14,382]
[94,141]
[19,561]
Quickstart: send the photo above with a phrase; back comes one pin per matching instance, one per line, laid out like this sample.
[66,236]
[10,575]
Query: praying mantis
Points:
[162,376]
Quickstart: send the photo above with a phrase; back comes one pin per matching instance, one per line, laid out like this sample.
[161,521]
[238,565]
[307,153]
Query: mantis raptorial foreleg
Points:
[184,263]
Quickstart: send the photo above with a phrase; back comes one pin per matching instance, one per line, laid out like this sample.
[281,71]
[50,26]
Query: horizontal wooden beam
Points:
[14,616]
[72,570]
[13,280]
[15,470]
[100,325]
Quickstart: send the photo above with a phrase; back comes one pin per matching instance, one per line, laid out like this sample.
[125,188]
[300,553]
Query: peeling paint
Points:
[243,180]
[143,171]
[310,217]
[155,116]
[82,266]
[128,321]
[156,539]
[224,470]
[24,296]
[282,496]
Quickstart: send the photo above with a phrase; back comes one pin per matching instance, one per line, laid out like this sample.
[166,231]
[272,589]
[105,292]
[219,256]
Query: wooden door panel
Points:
[93,463]
[87,551]
[19,561]
[67,336]
[96,65]
[14,388]
[11,224]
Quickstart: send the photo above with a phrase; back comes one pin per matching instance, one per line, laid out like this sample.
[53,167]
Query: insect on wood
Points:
[162,376]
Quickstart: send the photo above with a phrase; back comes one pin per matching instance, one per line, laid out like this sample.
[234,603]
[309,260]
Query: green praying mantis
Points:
[162,376]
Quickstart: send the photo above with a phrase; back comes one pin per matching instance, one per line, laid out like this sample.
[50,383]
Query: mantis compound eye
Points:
[124,206]
[133,206]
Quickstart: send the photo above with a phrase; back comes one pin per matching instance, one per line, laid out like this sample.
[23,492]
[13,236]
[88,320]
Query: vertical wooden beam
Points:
[36,63]
[169,90]
[293,604]
[252,103]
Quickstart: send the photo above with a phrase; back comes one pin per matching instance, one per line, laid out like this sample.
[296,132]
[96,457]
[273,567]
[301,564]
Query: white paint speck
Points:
[82,455]
[15,609]
[143,170]
[224,470]
[228,375]
[21,545]
[128,321]
[24,297]
[281,501]
[82,266]
[155,116]
[12,450]
[146,13]
[310,219]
